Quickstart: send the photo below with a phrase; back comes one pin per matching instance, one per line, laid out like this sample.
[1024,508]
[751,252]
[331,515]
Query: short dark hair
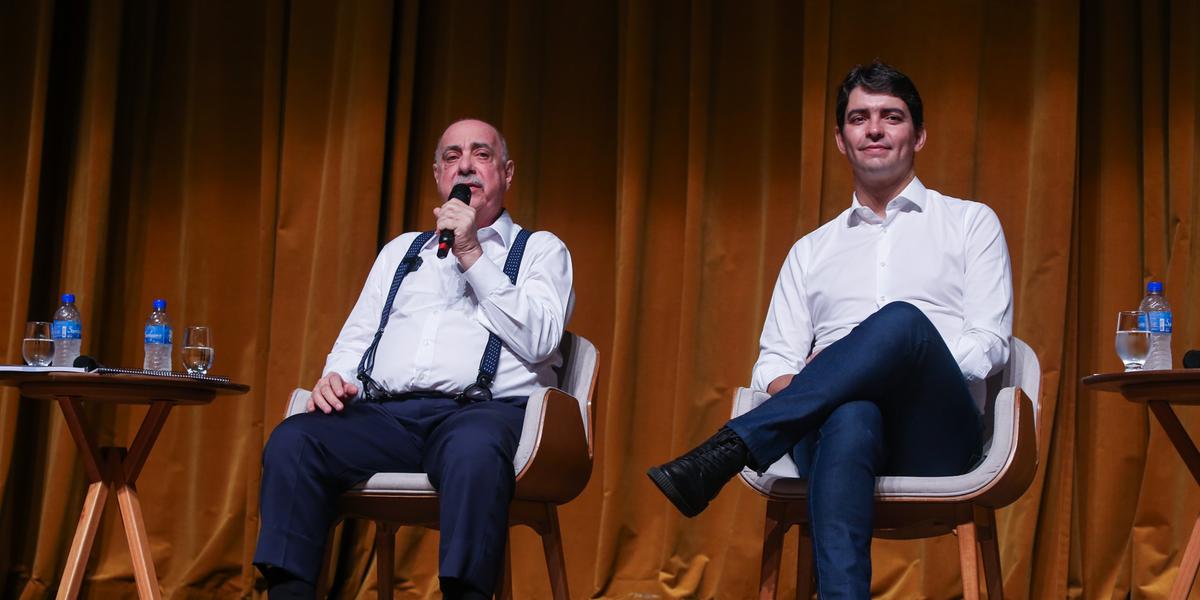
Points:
[880,78]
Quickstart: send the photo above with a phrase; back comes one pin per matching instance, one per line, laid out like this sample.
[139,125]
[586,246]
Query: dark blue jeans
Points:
[887,399]
[467,451]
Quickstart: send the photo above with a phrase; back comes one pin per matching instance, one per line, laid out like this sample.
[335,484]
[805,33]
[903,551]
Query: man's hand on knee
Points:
[329,394]
[779,383]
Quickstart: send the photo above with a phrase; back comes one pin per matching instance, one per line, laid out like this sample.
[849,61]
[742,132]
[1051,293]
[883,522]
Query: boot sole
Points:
[664,484]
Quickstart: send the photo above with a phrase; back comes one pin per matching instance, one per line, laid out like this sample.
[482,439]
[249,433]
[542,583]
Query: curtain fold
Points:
[247,161]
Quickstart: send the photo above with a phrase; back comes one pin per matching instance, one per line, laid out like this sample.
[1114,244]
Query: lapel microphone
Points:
[462,193]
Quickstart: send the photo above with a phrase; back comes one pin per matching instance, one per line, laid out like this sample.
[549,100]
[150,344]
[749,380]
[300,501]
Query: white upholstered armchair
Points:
[916,507]
[553,463]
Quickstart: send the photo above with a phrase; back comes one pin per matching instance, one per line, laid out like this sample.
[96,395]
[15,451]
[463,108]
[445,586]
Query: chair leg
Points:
[504,586]
[774,528]
[555,561]
[989,549]
[968,558]
[804,564]
[385,553]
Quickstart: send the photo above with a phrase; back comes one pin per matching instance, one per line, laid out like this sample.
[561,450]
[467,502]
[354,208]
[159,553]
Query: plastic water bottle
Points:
[1158,315]
[67,332]
[158,339]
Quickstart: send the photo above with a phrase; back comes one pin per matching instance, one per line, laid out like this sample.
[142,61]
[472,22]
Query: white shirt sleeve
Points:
[359,328]
[787,332]
[529,317]
[987,306]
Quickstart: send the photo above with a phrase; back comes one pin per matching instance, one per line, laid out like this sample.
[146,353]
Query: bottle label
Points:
[67,330]
[158,334]
[1159,321]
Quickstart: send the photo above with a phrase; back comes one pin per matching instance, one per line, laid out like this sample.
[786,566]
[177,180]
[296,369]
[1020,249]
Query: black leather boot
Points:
[693,479]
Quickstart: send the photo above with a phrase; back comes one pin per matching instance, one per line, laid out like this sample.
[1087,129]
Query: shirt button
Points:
[426,343]
[883,263]
[882,299]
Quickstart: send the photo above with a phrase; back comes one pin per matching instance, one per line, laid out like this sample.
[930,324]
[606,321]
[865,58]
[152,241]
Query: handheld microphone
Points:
[462,193]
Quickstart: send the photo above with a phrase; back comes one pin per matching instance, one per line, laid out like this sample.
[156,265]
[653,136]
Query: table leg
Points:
[144,439]
[1187,566]
[85,534]
[1191,459]
[135,526]
[1178,435]
[112,469]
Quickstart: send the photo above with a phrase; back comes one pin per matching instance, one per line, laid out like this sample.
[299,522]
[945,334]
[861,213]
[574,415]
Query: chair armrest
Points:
[553,461]
[298,403]
[1021,460]
[745,399]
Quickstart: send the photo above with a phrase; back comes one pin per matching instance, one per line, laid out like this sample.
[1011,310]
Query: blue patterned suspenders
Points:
[481,389]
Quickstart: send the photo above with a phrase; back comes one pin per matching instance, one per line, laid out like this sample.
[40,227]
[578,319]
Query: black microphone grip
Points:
[462,193]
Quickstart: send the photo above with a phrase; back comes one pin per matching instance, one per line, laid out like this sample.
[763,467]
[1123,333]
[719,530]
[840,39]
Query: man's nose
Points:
[875,130]
[466,165]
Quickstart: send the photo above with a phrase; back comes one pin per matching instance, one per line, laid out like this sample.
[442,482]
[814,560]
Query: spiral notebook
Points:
[169,374]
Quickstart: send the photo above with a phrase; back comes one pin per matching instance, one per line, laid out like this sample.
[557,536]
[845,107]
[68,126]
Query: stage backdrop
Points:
[246,160]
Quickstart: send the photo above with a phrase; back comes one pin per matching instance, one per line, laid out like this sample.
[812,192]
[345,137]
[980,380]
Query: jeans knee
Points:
[855,426]
[902,313]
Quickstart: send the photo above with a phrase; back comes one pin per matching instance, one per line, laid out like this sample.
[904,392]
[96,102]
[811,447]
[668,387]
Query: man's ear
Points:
[837,138]
[920,140]
[510,168]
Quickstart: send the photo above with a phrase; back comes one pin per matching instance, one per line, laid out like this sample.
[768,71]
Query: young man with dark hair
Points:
[883,326]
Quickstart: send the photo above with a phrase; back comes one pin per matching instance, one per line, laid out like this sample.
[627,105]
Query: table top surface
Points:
[118,387]
[1176,385]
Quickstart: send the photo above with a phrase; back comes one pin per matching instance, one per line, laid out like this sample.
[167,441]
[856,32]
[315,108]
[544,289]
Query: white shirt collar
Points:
[503,227]
[911,197]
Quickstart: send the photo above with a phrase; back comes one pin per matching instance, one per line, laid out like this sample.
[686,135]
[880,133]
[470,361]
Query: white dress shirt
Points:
[945,256]
[442,315]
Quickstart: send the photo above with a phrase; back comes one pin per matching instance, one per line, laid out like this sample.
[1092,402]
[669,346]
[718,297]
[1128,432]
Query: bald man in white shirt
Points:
[409,387]
[883,326]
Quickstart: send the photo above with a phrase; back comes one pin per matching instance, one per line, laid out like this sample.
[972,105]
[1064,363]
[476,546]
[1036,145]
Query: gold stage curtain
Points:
[246,161]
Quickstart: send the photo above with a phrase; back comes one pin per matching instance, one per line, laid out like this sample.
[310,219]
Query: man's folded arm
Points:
[787,331]
[529,317]
[987,316]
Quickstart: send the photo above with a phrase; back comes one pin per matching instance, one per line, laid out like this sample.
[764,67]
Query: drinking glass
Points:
[38,347]
[197,349]
[1133,339]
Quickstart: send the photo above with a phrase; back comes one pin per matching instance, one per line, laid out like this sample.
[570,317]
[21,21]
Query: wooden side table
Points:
[1160,390]
[114,469]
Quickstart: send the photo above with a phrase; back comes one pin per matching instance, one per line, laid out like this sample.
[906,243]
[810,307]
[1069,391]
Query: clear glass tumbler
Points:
[197,349]
[1133,339]
[37,348]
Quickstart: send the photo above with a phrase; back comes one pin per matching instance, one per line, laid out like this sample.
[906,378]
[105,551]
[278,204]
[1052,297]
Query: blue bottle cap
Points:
[160,304]
[68,298]
[1154,287]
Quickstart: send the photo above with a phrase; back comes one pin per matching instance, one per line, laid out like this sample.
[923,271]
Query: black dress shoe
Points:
[283,585]
[693,479]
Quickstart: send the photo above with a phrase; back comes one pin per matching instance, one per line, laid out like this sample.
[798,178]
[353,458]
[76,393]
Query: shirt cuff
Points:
[974,364]
[765,374]
[485,277]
